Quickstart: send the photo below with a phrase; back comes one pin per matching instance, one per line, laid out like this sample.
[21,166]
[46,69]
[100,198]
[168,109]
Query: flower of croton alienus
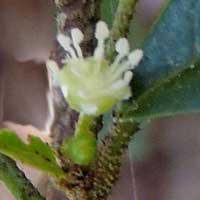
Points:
[92,85]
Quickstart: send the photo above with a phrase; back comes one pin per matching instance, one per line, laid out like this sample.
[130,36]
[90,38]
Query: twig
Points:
[110,152]
[16,181]
[71,13]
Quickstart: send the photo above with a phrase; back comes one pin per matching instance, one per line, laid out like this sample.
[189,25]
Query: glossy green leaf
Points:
[173,41]
[36,153]
[178,94]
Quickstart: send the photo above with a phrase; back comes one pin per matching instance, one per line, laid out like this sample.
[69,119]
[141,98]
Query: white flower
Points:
[94,85]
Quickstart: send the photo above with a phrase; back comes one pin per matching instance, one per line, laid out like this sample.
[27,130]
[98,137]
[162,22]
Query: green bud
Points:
[81,149]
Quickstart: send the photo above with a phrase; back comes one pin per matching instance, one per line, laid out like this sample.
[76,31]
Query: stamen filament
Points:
[65,42]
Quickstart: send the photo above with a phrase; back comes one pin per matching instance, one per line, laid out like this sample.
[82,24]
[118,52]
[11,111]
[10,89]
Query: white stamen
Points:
[65,91]
[128,76]
[89,109]
[99,51]
[117,71]
[135,57]
[122,46]
[88,80]
[118,84]
[77,38]
[77,35]
[102,31]
[65,42]
[101,34]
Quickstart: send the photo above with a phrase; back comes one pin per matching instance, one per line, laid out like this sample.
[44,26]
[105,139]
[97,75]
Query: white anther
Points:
[65,42]
[77,38]
[102,31]
[135,57]
[122,46]
[101,34]
[77,35]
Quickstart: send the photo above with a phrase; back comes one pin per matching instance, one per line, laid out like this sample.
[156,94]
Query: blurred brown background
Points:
[27,33]
[166,157]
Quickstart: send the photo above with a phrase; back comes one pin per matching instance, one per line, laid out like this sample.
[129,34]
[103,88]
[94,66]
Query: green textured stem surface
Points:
[84,124]
[110,154]
[121,24]
[81,148]
[16,182]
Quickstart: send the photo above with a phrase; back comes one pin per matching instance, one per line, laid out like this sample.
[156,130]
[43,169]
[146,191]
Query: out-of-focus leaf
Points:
[179,93]
[108,8]
[16,181]
[141,147]
[174,40]
[37,153]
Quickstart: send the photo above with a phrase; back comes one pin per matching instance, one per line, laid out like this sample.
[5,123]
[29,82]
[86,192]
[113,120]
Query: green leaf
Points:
[178,94]
[37,153]
[174,40]
[16,181]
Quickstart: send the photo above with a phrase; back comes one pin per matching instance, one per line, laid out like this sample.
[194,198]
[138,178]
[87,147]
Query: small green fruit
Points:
[81,149]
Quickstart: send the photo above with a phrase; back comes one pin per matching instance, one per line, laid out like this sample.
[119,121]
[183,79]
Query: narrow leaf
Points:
[108,8]
[15,180]
[37,153]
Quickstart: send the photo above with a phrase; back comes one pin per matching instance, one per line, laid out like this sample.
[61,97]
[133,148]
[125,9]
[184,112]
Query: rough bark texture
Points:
[82,14]
[75,16]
